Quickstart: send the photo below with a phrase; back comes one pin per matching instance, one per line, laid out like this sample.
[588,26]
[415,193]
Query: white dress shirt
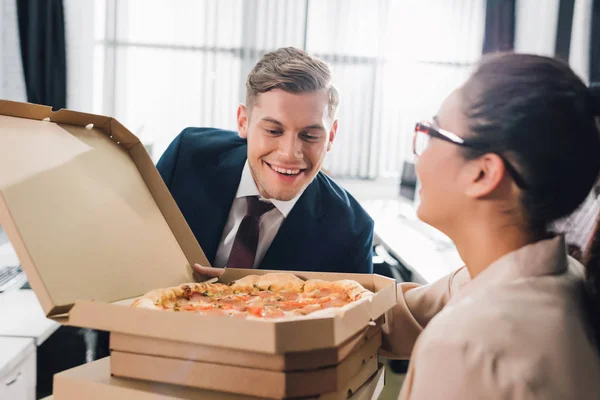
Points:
[269,222]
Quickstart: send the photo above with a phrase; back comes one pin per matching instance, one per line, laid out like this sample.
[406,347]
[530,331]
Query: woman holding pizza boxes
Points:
[514,149]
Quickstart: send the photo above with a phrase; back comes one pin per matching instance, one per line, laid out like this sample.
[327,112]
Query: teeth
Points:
[286,171]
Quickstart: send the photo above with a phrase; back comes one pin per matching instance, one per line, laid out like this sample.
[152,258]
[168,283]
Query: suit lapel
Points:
[222,181]
[295,230]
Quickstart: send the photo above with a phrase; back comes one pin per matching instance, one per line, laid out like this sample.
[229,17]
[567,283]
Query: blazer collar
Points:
[225,174]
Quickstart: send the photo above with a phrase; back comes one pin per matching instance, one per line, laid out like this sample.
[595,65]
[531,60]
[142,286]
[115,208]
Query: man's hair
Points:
[291,70]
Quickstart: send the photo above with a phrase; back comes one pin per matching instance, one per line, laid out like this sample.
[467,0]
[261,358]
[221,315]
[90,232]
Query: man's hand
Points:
[202,273]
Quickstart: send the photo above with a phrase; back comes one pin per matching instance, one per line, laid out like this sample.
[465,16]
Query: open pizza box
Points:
[95,226]
[93,381]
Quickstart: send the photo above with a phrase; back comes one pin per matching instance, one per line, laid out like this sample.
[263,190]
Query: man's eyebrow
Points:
[272,120]
[314,126]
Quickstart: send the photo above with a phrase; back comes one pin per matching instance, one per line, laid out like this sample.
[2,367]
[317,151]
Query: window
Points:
[161,66]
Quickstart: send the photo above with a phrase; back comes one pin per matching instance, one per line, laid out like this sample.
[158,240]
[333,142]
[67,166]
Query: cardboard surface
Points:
[370,390]
[273,337]
[243,380]
[218,355]
[93,382]
[86,210]
[93,223]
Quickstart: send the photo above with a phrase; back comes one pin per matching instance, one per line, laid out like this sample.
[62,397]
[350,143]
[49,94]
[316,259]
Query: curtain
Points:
[80,47]
[165,65]
[499,26]
[563,30]
[12,81]
[594,62]
[42,35]
[535,26]
[394,63]
[579,55]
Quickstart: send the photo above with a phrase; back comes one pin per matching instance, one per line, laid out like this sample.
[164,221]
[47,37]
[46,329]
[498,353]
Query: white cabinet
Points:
[17,368]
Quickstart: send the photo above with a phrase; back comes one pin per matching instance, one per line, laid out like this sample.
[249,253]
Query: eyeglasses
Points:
[424,131]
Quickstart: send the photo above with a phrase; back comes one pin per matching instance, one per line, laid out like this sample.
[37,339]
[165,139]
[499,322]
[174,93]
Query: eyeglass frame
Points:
[447,136]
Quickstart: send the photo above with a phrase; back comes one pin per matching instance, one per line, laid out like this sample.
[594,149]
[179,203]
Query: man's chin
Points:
[283,194]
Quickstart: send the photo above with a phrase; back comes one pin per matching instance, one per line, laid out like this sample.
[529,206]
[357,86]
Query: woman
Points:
[510,152]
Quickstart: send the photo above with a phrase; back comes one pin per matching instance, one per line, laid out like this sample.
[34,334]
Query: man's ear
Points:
[485,174]
[242,121]
[332,134]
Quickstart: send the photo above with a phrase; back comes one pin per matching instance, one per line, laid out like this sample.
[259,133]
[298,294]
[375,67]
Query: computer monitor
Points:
[408,181]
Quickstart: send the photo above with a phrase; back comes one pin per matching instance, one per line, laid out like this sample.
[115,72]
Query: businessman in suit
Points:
[256,198]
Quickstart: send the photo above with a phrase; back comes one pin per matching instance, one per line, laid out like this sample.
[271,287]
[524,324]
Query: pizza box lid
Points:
[86,210]
[93,224]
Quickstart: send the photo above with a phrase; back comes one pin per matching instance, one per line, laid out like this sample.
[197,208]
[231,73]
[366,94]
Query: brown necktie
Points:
[244,247]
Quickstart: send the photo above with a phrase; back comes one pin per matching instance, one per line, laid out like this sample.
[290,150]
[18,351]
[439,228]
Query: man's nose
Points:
[290,146]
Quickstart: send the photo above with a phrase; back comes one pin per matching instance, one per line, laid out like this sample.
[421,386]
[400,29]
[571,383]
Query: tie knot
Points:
[257,208]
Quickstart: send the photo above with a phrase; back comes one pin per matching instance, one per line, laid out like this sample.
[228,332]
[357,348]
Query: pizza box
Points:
[295,361]
[93,381]
[94,227]
[242,380]
[271,337]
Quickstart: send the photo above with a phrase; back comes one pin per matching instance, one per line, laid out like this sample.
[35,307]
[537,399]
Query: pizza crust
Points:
[172,294]
[274,281]
[354,289]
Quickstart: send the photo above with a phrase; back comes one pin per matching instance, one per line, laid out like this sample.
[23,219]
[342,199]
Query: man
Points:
[257,198]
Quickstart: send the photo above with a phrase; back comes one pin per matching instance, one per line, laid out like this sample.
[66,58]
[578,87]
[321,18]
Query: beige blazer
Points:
[516,331]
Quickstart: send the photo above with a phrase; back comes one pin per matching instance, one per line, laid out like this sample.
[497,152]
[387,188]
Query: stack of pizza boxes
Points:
[95,228]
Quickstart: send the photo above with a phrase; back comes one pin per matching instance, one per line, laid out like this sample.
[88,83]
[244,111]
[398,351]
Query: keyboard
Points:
[11,278]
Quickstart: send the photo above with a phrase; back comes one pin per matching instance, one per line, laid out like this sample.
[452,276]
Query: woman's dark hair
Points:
[539,115]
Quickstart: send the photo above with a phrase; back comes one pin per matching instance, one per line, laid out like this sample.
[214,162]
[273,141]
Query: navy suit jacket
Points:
[326,231]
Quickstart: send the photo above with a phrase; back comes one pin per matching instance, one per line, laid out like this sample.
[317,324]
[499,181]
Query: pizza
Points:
[271,296]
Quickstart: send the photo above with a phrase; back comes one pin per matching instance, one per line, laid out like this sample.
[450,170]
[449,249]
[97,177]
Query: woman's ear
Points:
[486,174]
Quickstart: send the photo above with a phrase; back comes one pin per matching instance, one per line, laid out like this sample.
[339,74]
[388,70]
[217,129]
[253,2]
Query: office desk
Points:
[17,368]
[426,252]
[20,312]
[23,328]
[22,316]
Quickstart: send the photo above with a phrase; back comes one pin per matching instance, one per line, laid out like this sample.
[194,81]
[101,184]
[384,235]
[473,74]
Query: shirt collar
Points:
[545,257]
[247,187]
